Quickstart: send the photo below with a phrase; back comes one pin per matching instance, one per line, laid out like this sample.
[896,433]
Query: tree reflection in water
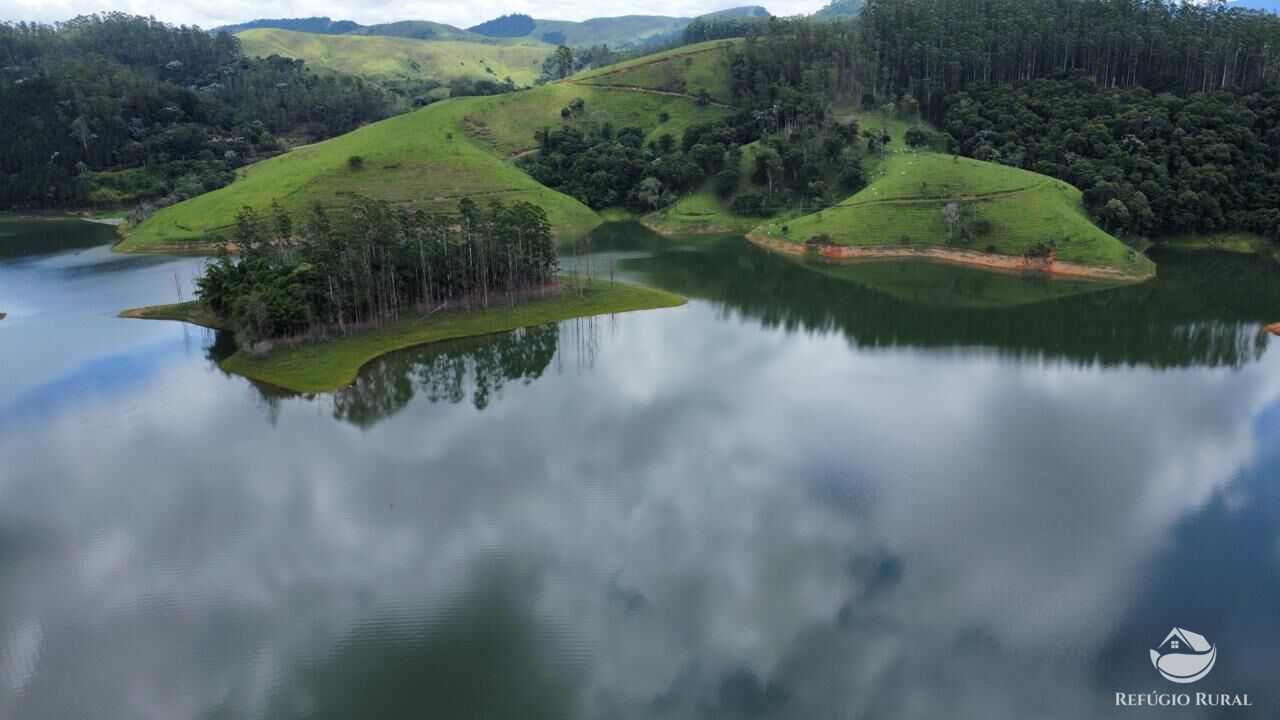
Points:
[471,368]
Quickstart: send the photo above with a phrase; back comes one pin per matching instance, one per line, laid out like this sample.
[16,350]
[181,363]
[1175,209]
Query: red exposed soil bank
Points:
[972,258]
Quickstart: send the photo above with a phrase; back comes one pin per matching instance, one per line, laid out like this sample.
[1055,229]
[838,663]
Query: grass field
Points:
[687,70]
[398,61]
[429,159]
[1012,210]
[422,159]
[326,365]
[506,123]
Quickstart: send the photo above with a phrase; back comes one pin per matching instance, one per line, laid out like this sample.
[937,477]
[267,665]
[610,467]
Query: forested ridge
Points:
[1147,163]
[1164,114]
[935,47]
[110,110]
[932,48]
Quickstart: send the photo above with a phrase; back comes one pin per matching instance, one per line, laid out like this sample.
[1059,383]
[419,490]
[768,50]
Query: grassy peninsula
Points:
[194,312]
[330,363]
[947,207]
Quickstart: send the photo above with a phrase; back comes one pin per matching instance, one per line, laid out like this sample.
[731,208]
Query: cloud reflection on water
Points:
[760,524]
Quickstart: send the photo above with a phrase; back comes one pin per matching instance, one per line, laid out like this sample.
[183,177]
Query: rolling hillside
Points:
[994,209]
[616,32]
[401,62]
[418,30]
[466,147]
[432,158]
[309,25]
[689,71]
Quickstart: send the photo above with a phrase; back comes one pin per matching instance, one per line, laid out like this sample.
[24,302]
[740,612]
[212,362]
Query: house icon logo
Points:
[1184,656]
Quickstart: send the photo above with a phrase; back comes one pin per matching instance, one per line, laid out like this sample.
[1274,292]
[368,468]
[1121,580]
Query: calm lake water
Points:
[889,490]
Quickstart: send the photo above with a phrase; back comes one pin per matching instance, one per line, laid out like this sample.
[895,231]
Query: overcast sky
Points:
[208,13]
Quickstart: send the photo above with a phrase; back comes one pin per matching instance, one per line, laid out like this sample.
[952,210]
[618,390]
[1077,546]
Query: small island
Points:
[328,363]
[312,304]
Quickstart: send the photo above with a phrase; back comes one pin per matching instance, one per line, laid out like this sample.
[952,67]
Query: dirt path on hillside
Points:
[651,91]
[662,59]
[940,198]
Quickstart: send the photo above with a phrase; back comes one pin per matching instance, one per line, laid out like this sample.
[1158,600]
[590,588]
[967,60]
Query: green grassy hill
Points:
[1004,211]
[616,32]
[429,159]
[465,147]
[687,71]
[402,62]
[418,30]
[506,123]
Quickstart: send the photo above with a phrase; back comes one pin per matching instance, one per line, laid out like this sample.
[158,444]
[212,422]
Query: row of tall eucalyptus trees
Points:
[930,49]
[365,264]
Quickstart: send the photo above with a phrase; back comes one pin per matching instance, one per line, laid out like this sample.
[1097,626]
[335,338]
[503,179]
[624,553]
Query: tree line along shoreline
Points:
[1169,141]
[311,301]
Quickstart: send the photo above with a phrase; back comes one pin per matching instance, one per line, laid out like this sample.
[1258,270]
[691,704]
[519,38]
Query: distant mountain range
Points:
[1269,5]
[618,32]
[321,25]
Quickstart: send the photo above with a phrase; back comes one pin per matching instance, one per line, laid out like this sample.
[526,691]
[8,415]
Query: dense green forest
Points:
[110,110]
[718,27]
[1147,163]
[362,265]
[931,48]
[1165,115]
[814,162]
[607,168]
